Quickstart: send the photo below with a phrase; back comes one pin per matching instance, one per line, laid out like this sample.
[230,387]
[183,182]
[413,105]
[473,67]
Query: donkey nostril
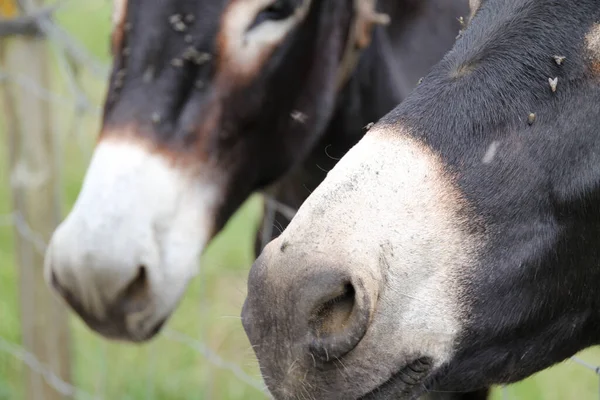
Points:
[340,322]
[333,316]
[135,296]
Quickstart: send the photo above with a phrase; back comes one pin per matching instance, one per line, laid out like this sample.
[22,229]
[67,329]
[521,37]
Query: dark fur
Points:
[534,302]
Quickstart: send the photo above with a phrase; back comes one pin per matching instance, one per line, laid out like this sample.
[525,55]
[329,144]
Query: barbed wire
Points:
[70,52]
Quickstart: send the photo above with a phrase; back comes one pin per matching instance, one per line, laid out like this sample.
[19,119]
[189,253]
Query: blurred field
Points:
[166,368]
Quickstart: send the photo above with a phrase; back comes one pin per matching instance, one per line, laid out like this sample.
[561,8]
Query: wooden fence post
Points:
[36,203]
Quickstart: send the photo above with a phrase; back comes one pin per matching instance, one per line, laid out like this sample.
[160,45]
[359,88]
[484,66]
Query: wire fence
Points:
[77,69]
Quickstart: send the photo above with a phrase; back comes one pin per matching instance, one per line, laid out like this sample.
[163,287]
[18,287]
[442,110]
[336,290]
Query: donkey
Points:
[208,102]
[455,246]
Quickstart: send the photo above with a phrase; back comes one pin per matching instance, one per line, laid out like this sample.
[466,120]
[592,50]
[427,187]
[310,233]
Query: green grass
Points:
[209,313]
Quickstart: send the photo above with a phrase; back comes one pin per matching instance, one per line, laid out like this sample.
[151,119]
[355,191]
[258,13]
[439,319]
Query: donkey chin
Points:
[123,257]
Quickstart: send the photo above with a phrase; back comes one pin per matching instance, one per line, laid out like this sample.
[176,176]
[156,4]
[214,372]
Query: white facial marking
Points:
[247,48]
[388,209]
[134,209]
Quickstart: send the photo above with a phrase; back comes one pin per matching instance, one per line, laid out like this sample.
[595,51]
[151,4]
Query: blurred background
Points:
[55,87]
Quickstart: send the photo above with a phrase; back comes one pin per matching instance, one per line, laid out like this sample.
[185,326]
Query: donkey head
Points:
[208,101]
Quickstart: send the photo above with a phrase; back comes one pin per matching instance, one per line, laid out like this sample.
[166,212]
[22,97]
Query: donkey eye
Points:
[276,11]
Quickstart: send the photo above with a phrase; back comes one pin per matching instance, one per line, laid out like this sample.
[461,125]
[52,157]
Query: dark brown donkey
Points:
[209,101]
